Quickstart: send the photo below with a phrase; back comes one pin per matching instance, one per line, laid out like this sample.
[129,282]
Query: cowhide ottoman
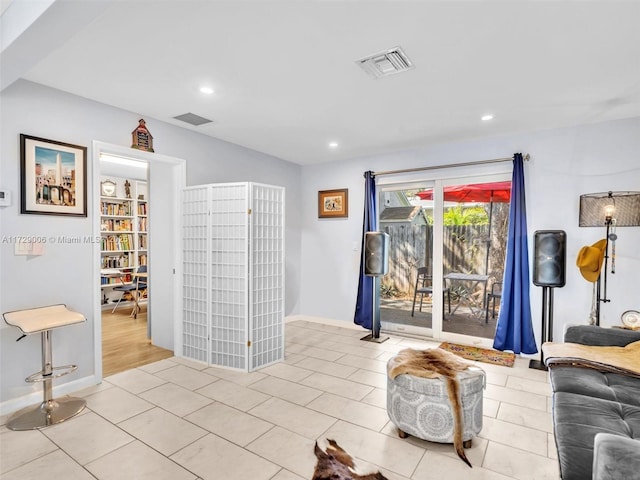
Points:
[420,406]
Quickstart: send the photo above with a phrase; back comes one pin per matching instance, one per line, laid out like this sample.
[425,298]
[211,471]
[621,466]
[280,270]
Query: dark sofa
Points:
[596,415]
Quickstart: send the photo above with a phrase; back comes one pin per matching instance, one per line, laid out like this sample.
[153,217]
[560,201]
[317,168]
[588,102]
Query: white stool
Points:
[49,412]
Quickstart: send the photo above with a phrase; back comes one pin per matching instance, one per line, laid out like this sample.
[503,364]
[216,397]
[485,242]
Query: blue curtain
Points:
[514,330]
[364,302]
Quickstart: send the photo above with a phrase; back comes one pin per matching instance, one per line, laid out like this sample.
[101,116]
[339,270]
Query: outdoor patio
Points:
[463,320]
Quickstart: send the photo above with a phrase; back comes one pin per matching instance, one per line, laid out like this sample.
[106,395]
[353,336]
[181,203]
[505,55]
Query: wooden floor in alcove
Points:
[124,342]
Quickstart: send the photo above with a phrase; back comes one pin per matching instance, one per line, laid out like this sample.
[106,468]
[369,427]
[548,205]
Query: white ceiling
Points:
[286,83]
[3,5]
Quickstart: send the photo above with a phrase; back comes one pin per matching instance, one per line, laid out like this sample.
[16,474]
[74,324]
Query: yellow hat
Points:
[590,260]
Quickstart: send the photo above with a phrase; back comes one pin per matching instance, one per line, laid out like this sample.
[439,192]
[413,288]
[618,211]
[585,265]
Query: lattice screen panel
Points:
[195,279]
[229,275]
[267,275]
[233,281]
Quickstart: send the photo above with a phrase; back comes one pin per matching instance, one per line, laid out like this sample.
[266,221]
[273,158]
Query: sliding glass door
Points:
[446,256]
[474,238]
[409,222]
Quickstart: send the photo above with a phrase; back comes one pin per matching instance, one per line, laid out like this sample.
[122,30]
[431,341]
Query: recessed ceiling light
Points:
[206,90]
[333,144]
[486,118]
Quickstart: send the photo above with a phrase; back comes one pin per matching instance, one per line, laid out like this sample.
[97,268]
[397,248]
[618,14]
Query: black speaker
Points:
[549,261]
[376,254]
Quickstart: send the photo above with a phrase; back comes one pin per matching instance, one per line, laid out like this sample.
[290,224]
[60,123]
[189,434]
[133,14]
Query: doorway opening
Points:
[124,261]
[446,256]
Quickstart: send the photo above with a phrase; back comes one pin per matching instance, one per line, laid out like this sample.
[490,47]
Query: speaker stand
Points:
[374,336]
[547,326]
[374,339]
[537,365]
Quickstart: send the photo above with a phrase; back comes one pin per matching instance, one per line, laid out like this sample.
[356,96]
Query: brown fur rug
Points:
[436,363]
[336,464]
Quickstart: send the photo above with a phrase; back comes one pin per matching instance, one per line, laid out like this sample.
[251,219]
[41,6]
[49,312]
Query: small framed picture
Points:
[333,203]
[53,177]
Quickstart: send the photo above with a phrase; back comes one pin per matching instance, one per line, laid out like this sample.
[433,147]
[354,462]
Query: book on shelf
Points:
[124,260]
[116,209]
[116,225]
[115,243]
[115,280]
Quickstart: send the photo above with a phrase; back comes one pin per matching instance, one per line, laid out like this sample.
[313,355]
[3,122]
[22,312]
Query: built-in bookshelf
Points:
[123,233]
[141,208]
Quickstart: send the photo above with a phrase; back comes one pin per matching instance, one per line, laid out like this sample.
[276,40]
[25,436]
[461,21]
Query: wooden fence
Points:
[464,250]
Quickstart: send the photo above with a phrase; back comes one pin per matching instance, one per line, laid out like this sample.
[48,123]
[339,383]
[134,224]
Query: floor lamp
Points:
[611,210]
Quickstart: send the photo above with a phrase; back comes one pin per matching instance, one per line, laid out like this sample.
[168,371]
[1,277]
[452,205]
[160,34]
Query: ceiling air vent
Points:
[386,63]
[193,119]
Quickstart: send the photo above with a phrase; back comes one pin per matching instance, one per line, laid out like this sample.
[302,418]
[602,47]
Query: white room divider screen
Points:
[233,274]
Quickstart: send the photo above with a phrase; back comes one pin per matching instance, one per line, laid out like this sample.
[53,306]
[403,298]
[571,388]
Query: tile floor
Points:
[175,419]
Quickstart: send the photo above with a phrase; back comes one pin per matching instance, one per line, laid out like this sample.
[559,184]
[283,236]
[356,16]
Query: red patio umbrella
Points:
[475,192]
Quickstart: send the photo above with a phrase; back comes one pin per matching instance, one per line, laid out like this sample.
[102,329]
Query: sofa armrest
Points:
[592,335]
[615,457]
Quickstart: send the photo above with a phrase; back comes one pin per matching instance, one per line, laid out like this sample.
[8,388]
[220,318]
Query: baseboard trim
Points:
[35,397]
[327,321]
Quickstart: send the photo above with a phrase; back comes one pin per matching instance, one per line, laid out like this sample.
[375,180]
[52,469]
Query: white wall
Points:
[565,163]
[321,263]
[64,273]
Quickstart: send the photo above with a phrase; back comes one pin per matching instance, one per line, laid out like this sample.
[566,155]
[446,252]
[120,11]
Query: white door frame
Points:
[180,181]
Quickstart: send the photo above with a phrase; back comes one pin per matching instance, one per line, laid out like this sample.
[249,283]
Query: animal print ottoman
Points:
[420,406]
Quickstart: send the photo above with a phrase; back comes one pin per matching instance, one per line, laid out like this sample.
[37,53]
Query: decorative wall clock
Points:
[108,188]
[631,319]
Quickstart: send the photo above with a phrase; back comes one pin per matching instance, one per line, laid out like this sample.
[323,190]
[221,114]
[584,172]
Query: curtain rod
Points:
[435,167]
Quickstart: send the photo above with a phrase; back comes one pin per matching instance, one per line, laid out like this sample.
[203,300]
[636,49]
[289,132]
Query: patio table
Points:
[476,280]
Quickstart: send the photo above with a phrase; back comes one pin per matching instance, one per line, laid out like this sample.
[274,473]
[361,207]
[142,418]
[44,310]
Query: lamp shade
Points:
[594,208]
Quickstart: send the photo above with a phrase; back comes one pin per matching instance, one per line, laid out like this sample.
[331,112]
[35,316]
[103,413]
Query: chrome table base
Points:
[47,413]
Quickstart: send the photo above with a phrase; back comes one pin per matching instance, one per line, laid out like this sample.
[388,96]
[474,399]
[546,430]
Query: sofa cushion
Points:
[615,457]
[578,419]
[593,335]
[606,386]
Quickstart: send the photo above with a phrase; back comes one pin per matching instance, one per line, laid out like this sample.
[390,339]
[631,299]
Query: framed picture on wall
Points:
[333,203]
[53,177]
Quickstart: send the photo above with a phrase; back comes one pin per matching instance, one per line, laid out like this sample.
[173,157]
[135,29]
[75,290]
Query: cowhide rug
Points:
[336,464]
[435,363]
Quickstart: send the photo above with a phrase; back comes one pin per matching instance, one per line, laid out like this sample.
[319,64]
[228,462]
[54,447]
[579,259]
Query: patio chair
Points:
[492,296]
[424,287]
